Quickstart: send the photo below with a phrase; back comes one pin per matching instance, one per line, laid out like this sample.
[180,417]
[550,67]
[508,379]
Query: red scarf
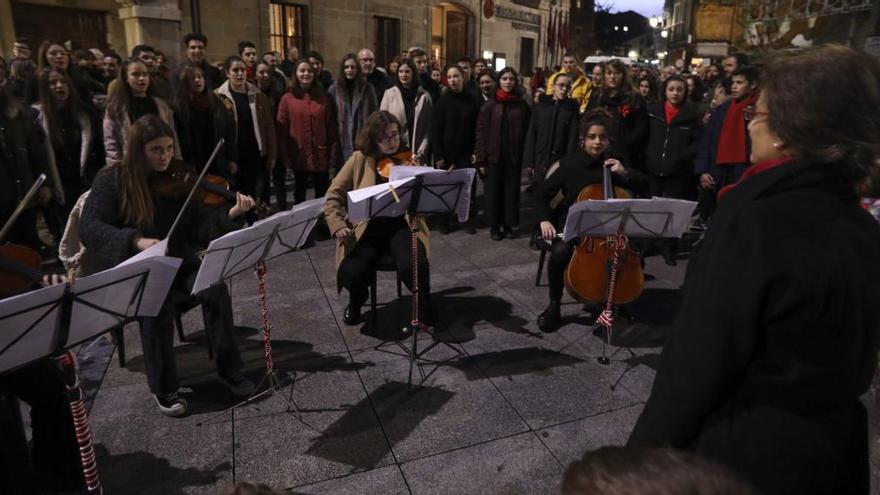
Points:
[251,74]
[732,144]
[671,111]
[505,97]
[754,170]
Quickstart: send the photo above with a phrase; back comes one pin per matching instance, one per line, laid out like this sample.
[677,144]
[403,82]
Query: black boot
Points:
[352,314]
[548,321]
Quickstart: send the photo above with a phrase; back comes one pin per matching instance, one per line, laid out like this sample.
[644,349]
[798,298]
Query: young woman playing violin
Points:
[575,172]
[125,214]
[359,247]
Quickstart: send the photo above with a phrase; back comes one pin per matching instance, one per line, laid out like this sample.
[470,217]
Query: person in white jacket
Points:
[411,104]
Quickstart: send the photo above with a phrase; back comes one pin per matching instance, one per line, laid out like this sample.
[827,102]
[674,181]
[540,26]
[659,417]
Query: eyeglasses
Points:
[563,86]
[749,113]
[389,137]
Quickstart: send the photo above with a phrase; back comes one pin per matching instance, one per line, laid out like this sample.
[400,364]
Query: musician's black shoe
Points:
[171,404]
[496,234]
[352,314]
[236,382]
[549,320]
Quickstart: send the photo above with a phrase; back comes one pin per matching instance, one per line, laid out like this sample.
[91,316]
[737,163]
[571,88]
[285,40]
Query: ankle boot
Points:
[548,321]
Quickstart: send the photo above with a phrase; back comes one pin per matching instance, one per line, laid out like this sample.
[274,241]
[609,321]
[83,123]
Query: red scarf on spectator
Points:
[754,170]
[732,144]
[671,111]
[505,97]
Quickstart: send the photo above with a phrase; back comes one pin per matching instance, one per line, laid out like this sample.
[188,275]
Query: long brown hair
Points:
[182,92]
[47,100]
[135,203]
[120,98]
[315,90]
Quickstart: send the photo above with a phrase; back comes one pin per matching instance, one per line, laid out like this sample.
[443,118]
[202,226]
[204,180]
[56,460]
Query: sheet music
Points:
[28,323]
[158,249]
[103,300]
[448,191]
[295,226]
[655,217]
[377,198]
[233,253]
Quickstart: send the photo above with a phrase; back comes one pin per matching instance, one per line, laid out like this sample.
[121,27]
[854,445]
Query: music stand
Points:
[250,248]
[416,191]
[618,220]
[51,320]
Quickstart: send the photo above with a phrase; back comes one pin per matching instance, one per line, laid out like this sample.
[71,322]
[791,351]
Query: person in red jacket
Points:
[311,143]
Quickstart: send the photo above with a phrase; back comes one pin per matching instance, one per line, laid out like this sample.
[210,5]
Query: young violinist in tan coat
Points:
[359,247]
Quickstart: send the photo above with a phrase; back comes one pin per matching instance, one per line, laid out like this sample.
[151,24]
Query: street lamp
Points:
[654,22]
[664,34]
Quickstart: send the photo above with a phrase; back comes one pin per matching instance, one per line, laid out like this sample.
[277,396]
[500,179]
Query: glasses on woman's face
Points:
[387,138]
[563,86]
[750,112]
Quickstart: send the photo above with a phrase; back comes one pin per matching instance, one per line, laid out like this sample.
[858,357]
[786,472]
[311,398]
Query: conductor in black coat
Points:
[777,336]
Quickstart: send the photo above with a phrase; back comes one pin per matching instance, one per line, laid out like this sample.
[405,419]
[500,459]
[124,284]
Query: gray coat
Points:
[352,114]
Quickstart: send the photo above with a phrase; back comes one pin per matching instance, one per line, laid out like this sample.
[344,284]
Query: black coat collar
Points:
[798,174]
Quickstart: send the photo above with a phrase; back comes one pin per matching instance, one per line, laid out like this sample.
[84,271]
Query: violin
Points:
[177,181]
[401,158]
[19,269]
[589,271]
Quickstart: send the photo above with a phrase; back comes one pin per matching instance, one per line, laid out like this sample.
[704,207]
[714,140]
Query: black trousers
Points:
[251,176]
[157,335]
[279,185]
[502,195]
[55,450]
[321,181]
[560,255]
[383,235]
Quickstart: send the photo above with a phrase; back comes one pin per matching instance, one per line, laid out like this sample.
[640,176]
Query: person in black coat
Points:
[201,121]
[195,44]
[125,214]
[501,135]
[553,129]
[453,127]
[576,171]
[674,134]
[777,336]
[630,125]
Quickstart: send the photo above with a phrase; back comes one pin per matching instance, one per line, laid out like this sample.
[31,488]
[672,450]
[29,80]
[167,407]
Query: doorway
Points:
[452,33]
[83,28]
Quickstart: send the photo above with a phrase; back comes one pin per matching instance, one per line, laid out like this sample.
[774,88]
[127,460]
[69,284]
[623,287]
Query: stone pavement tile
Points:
[639,377]
[519,281]
[483,252]
[382,481]
[512,465]
[449,411]
[140,451]
[334,433]
[559,385]
[568,441]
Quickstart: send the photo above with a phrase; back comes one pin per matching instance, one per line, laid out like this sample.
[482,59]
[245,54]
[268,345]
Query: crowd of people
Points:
[103,127]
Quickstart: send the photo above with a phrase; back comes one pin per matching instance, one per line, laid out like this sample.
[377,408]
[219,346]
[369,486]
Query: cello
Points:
[592,274]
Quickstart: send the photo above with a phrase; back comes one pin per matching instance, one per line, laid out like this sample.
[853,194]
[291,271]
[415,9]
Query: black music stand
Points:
[618,220]
[416,191]
[49,321]
[250,248]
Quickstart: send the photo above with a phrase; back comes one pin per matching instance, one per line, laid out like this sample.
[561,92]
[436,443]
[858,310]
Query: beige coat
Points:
[358,172]
[116,129]
[261,114]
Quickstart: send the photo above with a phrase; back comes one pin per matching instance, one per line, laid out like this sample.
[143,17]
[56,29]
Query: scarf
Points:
[504,97]
[754,170]
[732,143]
[200,102]
[671,111]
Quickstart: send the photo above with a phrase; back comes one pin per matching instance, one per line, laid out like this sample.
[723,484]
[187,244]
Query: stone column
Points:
[152,22]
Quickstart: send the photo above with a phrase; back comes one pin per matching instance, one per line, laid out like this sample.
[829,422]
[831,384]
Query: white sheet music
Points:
[655,217]
[158,249]
[233,253]
[38,311]
[294,227]
[378,197]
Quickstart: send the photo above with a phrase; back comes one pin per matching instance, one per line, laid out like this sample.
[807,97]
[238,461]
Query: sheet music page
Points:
[449,191]
[406,171]
[359,200]
[234,252]
[295,227]
[34,309]
[656,217]
[158,249]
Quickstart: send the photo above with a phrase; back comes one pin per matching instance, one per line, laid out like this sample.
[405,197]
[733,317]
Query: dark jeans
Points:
[55,450]
[383,235]
[321,181]
[502,195]
[708,198]
[157,335]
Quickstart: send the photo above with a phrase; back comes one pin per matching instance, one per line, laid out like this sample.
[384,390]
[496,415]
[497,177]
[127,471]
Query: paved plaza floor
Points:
[506,416]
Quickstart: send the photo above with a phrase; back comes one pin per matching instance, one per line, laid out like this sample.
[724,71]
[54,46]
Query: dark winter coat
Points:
[630,126]
[672,148]
[777,336]
[209,126]
[22,153]
[352,113]
[493,115]
[708,148]
[552,134]
[380,82]
[453,126]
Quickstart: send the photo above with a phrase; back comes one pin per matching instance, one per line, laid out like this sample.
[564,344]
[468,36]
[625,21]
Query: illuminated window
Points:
[288,25]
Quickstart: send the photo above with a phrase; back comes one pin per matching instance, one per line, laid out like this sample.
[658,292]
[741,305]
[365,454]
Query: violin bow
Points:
[22,205]
[194,187]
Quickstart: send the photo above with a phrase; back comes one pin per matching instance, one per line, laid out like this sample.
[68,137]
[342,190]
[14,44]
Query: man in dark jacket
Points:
[377,79]
[552,130]
[195,44]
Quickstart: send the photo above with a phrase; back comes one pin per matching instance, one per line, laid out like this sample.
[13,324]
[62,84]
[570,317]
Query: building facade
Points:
[510,32]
